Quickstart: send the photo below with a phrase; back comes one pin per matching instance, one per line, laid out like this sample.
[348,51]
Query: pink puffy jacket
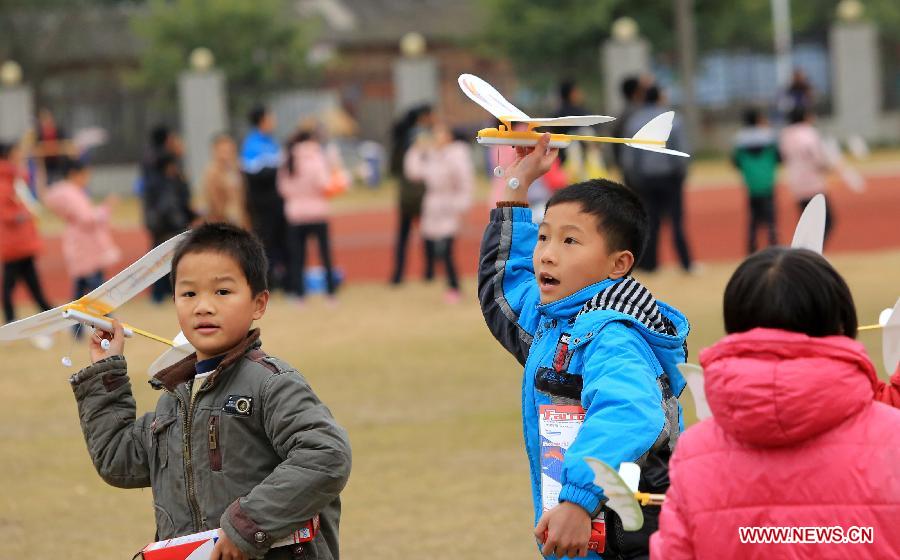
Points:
[795,441]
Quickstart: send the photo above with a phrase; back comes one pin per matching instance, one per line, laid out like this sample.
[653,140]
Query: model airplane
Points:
[621,490]
[93,308]
[810,231]
[652,136]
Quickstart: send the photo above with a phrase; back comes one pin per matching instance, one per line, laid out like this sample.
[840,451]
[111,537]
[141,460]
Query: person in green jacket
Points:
[756,156]
[238,442]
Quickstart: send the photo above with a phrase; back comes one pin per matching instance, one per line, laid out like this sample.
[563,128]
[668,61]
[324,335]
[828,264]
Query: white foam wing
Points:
[810,232]
[658,129]
[890,341]
[47,322]
[181,350]
[693,374]
[134,279]
[489,98]
[573,121]
[621,497]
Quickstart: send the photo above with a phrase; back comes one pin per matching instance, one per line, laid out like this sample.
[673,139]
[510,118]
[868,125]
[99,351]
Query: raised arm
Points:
[507,289]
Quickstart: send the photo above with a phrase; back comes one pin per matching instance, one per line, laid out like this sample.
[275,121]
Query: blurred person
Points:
[415,123]
[223,184]
[87,242]
[305,181]
[632,89]
[756,155]
[799,94]
[561,299]
[52,139]
[659,180]
[889,393]
[795,438]
[260,159]
[167,202]
[444,163]
[20,241]
[153,188]
[806,162]
[571,102]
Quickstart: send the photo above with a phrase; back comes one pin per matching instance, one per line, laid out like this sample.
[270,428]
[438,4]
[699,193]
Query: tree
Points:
[550,40]
[257,44]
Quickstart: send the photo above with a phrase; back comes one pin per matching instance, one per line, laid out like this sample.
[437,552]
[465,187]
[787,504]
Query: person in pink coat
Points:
[305,181]
[87,242]
[796,439]
[806,162]
[444,164]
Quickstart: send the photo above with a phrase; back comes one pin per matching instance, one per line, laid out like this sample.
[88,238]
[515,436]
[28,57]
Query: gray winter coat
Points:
[254,451]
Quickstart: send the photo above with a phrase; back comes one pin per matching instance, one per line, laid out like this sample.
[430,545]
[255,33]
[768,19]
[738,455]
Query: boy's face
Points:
[214,302]
[572,254]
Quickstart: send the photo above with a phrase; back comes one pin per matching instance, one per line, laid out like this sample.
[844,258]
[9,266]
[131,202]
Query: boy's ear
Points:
[623,261]
[260,301]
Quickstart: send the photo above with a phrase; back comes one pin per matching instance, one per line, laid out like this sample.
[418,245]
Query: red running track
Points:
[716,220]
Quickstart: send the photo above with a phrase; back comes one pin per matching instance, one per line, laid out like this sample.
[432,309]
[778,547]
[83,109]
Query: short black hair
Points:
[257,114]
[630,86]
[652,95]
[237,243]
[789,289]
[6,148]
[752,116]
[620,214]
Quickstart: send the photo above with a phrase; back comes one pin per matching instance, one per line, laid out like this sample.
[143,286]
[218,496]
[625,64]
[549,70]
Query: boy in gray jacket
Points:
[238,439]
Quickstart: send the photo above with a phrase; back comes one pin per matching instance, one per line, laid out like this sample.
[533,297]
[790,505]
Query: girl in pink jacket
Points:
[304,181]
[444,164]
[796,440]
[87,243]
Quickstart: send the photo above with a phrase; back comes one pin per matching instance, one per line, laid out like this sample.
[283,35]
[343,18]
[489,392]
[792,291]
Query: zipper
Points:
[187,412]
[215,454]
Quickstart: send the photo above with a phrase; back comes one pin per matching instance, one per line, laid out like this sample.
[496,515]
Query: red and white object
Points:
[199,546]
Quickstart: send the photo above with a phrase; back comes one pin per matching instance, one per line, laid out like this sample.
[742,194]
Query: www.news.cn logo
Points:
[807,535]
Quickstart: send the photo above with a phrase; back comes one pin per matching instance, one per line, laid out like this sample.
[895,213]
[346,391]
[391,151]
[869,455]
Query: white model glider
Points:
[93,308]
[652,136]
[810,232]
[621,488]
[693,374]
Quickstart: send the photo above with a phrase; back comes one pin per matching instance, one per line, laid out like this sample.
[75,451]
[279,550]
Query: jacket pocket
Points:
[215,443]
[160,429]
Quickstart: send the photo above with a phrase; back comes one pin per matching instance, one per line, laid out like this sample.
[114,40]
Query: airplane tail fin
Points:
[658,129]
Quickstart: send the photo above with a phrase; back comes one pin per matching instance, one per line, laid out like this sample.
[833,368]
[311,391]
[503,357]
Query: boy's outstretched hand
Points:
[530,163]
[116,342]
[226,550]
[568,529]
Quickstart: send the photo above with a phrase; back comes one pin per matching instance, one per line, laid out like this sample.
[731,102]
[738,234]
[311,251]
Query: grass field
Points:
[430,400]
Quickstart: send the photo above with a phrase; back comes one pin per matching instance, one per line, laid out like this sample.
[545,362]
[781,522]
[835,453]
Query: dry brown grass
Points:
[430,401]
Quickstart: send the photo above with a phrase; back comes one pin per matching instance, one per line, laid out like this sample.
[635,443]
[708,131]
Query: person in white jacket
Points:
[444,164]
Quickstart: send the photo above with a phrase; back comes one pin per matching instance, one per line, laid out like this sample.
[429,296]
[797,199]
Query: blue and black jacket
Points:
[620,371]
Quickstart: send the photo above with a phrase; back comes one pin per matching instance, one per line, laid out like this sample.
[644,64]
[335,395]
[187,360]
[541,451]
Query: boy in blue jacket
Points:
[560,298]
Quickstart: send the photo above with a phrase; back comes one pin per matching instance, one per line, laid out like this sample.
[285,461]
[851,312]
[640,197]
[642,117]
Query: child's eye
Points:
[188,294]
[542,237]
[570,240]
[222,292]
